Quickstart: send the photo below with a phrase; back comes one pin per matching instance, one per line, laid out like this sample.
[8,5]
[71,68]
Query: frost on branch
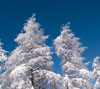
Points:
[3,59]
[96,71]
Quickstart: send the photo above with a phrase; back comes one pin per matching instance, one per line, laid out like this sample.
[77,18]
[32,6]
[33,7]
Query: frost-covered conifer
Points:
[69,49]
[30,58]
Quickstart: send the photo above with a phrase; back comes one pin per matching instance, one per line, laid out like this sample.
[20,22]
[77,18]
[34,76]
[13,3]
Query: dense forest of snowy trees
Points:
[29,65]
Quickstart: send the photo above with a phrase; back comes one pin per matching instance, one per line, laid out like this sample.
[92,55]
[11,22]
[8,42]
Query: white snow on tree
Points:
[30,63]
[3,59]
[69,49]
[96,72]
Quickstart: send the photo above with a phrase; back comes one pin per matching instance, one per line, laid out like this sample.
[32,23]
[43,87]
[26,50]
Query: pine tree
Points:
[69,49]
[28,61]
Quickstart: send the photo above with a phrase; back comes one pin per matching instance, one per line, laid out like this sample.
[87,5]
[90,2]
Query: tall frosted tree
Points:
[30,60]
[69,49]
[3,59]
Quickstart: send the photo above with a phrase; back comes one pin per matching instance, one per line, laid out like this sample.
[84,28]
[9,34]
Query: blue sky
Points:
[84,16]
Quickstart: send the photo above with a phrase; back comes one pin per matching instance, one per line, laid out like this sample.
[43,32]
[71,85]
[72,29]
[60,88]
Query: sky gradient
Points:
[84,16]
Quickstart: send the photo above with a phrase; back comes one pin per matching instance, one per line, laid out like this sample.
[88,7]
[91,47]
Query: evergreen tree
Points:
[69,49]
[28,61]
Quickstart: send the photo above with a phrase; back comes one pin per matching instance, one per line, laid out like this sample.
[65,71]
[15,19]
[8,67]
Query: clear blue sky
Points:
[84,16]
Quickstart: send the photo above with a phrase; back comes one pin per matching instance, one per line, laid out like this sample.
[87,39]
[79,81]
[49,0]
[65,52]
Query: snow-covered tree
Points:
[69,49]
[96,72]
[3,59]
[28,61]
